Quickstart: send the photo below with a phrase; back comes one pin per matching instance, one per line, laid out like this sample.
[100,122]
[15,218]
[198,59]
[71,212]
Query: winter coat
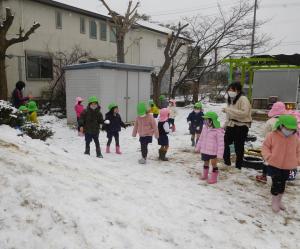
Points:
[145,126]
[196,120]
[91,120]
[280,151]
[211,142]
[32,117]
[239,113]
[173,112]
[78,109]
[18,99]
[115,122]
[163,128]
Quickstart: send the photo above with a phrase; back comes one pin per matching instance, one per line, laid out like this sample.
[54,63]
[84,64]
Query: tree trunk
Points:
[3,79]
[121,50]
[171,81]
[156,89]
[196,87]
[174,91]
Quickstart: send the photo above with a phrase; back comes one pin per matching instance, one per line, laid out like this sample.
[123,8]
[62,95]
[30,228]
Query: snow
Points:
[53,196]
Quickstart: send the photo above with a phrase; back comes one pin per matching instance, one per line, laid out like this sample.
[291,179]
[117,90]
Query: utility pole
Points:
[253,28]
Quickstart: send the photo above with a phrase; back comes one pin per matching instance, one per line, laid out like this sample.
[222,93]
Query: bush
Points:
[10,115]
[36,131]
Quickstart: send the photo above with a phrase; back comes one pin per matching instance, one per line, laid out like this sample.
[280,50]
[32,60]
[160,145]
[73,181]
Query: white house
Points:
[64,25]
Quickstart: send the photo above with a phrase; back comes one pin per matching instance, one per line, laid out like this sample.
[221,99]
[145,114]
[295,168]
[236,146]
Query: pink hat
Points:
[164,114]
[278,108]
[79,99]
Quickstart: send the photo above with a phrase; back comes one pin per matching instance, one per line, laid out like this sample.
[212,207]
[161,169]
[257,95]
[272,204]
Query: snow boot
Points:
[160,154]
[193,142]
[107,149]
[118,151]
[281,205]
[87,151]
[142,161]
[213,178]
[262,179]
[204,174]
[276,203]
[98,153]
[164,158]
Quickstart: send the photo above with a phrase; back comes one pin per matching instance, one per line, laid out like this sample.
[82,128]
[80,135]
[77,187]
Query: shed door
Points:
[132,93]
[121,92]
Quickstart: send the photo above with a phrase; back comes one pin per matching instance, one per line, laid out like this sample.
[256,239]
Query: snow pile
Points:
[53,196]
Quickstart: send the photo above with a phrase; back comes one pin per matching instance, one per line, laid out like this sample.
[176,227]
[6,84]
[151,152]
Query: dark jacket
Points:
[196,120]
[91,120]
[17,98]
[115,122]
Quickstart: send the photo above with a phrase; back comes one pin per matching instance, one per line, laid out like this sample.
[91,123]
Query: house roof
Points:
[95,10]
[109,65]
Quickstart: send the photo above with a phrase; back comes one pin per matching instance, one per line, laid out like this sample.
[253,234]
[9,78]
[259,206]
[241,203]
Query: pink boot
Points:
[213,178]
[281,206]
[275,203]
[118,151]
[204,174]
[107,149]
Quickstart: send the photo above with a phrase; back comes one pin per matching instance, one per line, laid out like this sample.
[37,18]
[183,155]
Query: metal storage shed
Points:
[123,84]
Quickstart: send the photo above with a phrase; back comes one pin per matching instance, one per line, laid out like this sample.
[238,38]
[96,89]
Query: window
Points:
[103,31]
[113,37]
[82,25]
[93,30]
[58,18]
[39,67]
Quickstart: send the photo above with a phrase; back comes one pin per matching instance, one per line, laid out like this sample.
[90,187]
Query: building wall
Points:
[141,44]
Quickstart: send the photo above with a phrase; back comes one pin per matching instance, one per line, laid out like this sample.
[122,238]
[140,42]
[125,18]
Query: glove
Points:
[198,128]
[107,122]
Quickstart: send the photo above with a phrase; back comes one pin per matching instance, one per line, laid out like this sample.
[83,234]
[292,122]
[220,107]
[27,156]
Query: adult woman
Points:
[238,112]
[17,95]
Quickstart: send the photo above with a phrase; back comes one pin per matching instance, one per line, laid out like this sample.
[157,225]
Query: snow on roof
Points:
[95,7]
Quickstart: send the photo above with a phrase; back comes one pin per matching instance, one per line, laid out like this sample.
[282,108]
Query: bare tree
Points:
[215,39]
[5,43]
[57,87]
[121,25]
[174,43]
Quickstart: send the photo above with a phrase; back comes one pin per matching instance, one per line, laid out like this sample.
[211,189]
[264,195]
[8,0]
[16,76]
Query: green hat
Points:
[93,99]
[288,121]
[112,106]
[162,97]
[141,109]
[31,106]
[214,117]
[198,105]
[23,108]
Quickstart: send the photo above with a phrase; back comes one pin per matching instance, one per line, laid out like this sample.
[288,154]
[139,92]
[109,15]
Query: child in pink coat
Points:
[78,109]
[211,145]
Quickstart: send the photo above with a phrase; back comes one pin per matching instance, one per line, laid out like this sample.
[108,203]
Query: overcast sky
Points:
[284,16]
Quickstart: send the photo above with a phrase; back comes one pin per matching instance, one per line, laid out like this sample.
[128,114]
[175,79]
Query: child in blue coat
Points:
[195,121]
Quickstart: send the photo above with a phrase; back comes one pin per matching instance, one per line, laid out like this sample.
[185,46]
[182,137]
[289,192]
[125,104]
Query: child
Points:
[153,109]
[163,103]
[90,120]
[163,129]
[146,126]
[78,109]
[281,150]
[113,124]
[211,145]
[32,112]
[22,116]
[278,109]
[173,114]
[195,120]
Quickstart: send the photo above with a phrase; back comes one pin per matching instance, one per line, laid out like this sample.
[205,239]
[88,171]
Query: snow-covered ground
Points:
[53,196]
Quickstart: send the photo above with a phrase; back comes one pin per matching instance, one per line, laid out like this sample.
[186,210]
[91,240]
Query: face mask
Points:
[232,94]
[142,116]
[197,111]
[287,132]
[93,107]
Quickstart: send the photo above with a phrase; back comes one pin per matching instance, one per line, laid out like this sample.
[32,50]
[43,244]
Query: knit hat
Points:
[79,99]
[164,114]
[162,97]
[23,108]
[198,105]
[32,107]
[112,106]
[93,99]
[214,117]
[288,121]
[278,108]
[141,109]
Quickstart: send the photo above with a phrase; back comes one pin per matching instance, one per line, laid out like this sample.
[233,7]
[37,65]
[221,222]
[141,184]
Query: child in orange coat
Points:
[281,150]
